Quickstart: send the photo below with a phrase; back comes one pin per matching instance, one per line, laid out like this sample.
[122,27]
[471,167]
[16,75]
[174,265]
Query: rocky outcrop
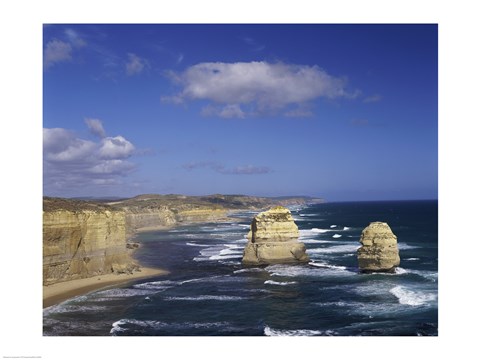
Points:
[83,240]
[273,238]
[379,251]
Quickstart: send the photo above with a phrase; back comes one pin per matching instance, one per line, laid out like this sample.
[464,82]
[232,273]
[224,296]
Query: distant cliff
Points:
[153,211]
[86,238]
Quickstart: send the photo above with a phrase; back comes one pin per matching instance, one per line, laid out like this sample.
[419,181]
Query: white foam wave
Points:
[403,246]
[313,231]
[325,265]
[268,331]
[346,228]
[295,271]
[119,293]
[195,244]
[204,297]
[333,226]
[67,308]
[312,241]
[156,285]
[119,326]
[400,271]
[336,236]
[224,257]
[271,282]
[248,270]
[334,249]
[412,298]
[411,259]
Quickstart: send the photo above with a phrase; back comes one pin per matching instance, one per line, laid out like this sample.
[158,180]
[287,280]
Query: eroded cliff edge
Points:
[83,239]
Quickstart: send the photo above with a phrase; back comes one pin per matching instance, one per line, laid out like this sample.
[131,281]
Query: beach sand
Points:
[56,293]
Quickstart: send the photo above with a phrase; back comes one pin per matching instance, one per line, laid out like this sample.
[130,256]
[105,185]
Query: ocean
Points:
[208,292]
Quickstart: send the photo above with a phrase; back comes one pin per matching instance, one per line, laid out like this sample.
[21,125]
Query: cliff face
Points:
[84,242]
[273,238]
[379,251]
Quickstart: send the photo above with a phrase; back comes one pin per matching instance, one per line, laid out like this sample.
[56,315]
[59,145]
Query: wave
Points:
[248,270]
[306,232]
[204,298]
[403,246]
[70,308]
[346,228]
[336,236]
[411,259]
[333,226]
[122,325]
[412,298]
[328,266]
[312,241]
[296,271]
[271,282]
[334,249]
[224,257]
[119,293]
[195,244]
[400,271]
[156,285]
[268,331]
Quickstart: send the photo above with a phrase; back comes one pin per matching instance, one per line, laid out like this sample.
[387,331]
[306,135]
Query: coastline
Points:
[56,293]
[59,292]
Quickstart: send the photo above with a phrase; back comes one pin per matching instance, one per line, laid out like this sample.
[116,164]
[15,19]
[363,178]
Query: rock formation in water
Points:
[273,239]
[379,251]
[82,239]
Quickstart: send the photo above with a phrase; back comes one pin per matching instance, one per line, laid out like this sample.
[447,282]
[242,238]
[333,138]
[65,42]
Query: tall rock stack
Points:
[379,251]
[273,239]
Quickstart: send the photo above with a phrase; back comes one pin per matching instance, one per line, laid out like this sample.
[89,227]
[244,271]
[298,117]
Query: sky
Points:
[342,112]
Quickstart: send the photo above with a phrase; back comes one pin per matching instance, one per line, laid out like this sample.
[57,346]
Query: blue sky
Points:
[343,112]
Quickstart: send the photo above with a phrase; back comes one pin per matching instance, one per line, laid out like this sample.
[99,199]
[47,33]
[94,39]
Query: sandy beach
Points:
[56,293]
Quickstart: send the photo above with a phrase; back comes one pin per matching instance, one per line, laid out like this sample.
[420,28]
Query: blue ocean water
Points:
[208,292]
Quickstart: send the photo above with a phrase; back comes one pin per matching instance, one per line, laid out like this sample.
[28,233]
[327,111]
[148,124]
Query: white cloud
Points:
[71,162]
[263,85]
[61,146]
[96,127]
[135,64]
[116,148]
[56,51]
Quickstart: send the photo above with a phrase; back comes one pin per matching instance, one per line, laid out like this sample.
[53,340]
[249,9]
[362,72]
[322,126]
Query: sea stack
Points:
[379,251]
[273,239]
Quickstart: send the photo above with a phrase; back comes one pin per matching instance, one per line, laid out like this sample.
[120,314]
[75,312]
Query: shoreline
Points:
[56,293]
[59,292]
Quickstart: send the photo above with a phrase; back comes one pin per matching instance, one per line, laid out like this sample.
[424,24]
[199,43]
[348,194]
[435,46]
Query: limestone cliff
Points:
[153,211]
[81,240]
[273,238]
[379,251]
